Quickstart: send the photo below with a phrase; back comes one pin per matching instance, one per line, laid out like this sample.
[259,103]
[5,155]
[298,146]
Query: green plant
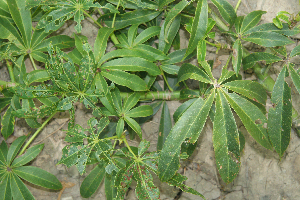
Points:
[113,84]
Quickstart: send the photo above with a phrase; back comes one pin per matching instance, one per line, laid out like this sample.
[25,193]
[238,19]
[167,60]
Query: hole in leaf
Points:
[258,121]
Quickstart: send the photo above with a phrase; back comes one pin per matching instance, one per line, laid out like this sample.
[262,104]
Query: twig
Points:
[65,185]
[51,133]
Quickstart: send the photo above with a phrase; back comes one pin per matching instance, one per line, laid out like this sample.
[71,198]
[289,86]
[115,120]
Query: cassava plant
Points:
[112,84]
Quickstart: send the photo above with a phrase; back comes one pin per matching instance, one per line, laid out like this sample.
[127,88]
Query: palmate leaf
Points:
[145,188]
[189,126]
[190,71]
[19,189]
[8,123]
[226,140]
[251,20]
[252,117]
[268,39]
[280,114]
[251,59]
[123,179]
[29,155]
[5,188]
[270,27]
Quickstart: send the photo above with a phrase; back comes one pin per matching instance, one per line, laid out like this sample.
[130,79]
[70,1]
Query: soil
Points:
[262,176]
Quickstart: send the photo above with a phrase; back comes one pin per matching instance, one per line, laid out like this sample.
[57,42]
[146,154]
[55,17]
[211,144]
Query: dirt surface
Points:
[262,175]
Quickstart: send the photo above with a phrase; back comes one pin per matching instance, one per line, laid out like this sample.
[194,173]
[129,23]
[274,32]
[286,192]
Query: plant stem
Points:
[32,61]
[237,5]
[36,133]
[165,78]
[127,145]
[10,71]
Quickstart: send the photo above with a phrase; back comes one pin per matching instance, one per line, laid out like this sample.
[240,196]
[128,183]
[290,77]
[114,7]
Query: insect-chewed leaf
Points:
[70,154]
[237,56]
[75,133]
[178,179]
[143,147]
[251,59]
[67,103]
[145,188]
[189,125]
[280,115]
[252,90]
[29,155]
[38,177]
[190,71]
[226,140]
[251,20]
[268,39]
[123,179]
[199,26]
[252,117]
[91,183]
[226,10]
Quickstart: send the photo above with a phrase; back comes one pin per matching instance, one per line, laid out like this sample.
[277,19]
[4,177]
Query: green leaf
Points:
[226,10]
[270,27]
[251,20]
[132,34]
[14,148]
[37,76]
[4,101]
[151,52]
[175,57]
[123,180]
[134,125]
[9,27]
[252,117]
[22,18]
[117,99]
[170,69]
[145,188]
[237,56]
[110,189]
[165,126]
[141,111]
[19,189]
[178,179]
[251,59]
[199,26]
[238,24]
[163,45]
[60,41]
[146,35]
[201,51]
[3,152]
[295,51]
[29,155]
[38,177]
[189,125]
[131,101]
[67,103]
[120,127]
[123,78]
[252,90]
[226,140]
[132,64]
[91,183]
[177,8]
[207,69]
[190,71]
[129,18]
[101,42]
[268,39]
[280,115]
[182,108]
[101,84]
[143,147]
[7,123]
[5,188]
[296,78]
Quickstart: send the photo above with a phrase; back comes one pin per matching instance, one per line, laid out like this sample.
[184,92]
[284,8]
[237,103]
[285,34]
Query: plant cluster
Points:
[113,84]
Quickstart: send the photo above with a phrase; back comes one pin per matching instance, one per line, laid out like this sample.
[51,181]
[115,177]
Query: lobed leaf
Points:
[131,101]
[190,71]
[252,90]
[20,191]
[280,114]
[226,140]
[38,177]
[189,125]
[5,188]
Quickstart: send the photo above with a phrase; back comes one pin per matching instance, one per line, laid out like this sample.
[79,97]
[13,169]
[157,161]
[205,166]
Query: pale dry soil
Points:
[262,175]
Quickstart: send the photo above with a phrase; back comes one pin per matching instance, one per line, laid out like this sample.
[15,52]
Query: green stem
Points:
[32,61]
[112,36]
[10,71]
[37,132]
[165,78]
[115,15]
[127,145]
[237,5]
